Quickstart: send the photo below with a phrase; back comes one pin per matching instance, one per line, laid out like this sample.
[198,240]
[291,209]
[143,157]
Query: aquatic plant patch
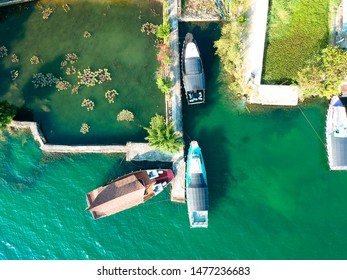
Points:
[51,70]
[35,59]
[125,115]
[3,51]
[43,80]
[14,74]
[89,104]
[91,78]
[84,128]
[14,58]
[110,95]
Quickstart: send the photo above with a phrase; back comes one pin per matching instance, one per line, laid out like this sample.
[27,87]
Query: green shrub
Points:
[230,50]
[163,136]
[241,19]
[163,31]
[323,73]
[164,84]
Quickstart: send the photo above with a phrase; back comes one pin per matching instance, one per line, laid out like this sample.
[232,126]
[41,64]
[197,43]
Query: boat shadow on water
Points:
[219,172]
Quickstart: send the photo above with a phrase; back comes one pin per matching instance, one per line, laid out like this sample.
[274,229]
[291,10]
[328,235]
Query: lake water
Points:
[272,195]
[116,43]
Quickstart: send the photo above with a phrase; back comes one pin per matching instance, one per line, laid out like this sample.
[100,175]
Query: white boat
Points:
[336,135]
[192,71]
[196,187]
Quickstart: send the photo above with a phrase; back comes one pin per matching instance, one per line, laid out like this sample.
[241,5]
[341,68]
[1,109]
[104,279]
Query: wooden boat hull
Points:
[127,191]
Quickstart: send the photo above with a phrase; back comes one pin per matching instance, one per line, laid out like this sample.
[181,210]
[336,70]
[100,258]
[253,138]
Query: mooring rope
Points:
[151,203]
[315,131]
[121,162]
[186,134]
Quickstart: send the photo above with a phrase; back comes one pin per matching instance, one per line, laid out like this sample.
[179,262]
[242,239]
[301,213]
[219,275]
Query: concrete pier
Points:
[275,95]
[133,151]
[254,55]
[179,166]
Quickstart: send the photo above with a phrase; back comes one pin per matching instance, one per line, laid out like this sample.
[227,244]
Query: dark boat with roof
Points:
[127,191]
[336,134]
[192,72]
[196,187]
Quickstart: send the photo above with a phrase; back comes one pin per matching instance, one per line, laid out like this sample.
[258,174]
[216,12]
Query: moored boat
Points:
[196,187]
[127,191]
[192,71]
[336,135]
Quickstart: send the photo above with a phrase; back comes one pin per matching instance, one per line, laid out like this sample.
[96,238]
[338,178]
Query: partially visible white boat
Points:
[336,135]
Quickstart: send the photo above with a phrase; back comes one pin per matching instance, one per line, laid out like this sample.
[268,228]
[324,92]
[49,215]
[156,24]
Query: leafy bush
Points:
[230,50]
[163,136]
[125,115]
[164,84]
[163,30]
[324,73]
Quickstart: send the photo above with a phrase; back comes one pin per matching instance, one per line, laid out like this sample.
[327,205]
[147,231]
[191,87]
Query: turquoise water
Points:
[271,193]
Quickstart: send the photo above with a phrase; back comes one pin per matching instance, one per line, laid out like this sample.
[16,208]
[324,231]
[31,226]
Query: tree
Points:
[7,113]
[163,136]
[231,52]
[323,73]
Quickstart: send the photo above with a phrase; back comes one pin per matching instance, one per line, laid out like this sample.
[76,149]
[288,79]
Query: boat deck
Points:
[196,187]
[336,135]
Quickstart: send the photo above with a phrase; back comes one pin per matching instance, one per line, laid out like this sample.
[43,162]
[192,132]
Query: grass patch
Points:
[297,29]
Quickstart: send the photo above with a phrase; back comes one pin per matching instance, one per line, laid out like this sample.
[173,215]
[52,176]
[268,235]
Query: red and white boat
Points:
[127,191]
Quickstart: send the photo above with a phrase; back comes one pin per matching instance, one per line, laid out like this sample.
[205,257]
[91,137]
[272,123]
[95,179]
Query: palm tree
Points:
[163,136]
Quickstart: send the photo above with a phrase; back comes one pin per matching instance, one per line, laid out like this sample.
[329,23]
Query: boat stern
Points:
[199,219]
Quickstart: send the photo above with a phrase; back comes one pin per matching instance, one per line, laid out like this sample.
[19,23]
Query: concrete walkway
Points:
[179,166]
[275,95]
[255,45]
[133,151]
[254,56]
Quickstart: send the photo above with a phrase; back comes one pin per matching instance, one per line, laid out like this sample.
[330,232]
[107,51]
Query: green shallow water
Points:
[116,43]
[271,193]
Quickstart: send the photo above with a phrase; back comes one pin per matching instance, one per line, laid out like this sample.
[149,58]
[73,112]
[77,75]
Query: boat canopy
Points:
[339,151]
[119,195]
[197,193]
[194,78]
[336,133]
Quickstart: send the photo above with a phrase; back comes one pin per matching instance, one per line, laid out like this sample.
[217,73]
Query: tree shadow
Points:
[217,162]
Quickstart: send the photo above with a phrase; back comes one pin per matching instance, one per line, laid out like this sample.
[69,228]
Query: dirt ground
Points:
[199,8]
